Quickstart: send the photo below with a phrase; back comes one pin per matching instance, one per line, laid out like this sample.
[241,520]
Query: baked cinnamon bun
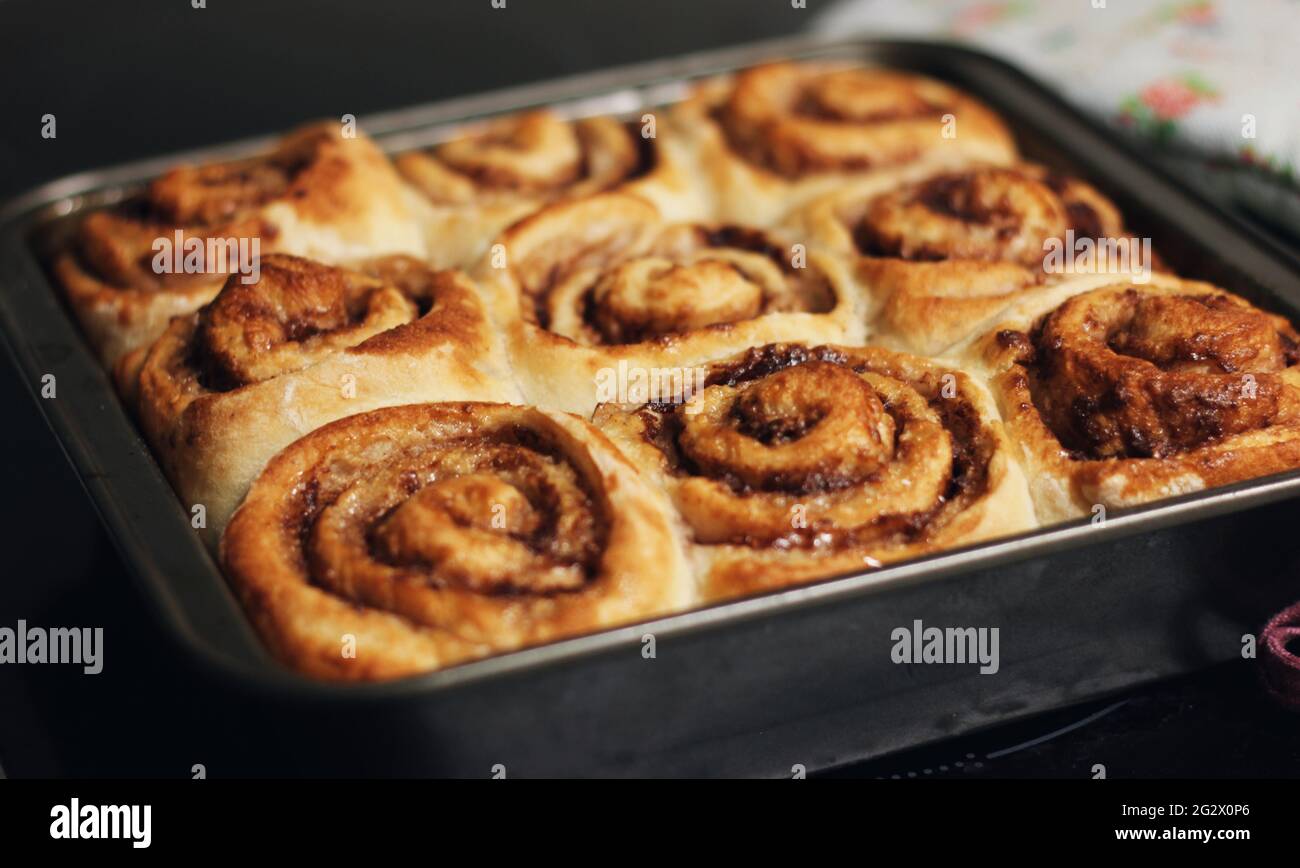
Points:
[798,463]
[594,291]
[507,168]
[317,194]
[225,388]
[416,537]
[1129,393]
[773,137]
[939,257]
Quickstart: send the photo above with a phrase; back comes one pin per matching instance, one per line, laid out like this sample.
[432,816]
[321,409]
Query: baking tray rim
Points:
[52,199]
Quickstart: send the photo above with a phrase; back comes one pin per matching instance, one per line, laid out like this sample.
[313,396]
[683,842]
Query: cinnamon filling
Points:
[214,194]
[991,215]
[650,297]
[683,279]
[533,154]
[794,121]
[298,312]
[202,201]
[493,512]
[822,448]
[813,427]
[856,96]
[530,153]
[1120,373]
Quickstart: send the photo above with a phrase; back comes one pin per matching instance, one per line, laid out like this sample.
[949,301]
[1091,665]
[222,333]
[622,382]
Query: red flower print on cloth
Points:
[1200,12]
[981,16]
[1169,99]
[1157,107]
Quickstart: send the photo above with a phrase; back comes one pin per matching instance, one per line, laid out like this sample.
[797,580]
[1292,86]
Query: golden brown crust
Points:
[584,287]
[316,194]
[704,280]
[940,256]
[421,536]
[776,136]
[800,463]
[1124,394]
[228,386]
[503,170]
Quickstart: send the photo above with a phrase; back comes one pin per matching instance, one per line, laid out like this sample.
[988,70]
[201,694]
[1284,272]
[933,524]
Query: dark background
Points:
[132,79]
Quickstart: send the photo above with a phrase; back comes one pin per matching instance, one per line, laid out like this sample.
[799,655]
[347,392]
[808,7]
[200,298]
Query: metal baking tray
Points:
[801,677]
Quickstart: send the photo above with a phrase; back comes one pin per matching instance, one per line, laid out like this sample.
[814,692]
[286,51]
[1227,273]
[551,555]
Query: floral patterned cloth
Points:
[1206,82]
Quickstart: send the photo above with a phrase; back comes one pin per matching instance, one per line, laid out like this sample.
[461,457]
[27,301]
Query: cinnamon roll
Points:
[412,538]
[225,388]
[593,292]
[776,136]
[503,170]
[1130,393]
[939,257]
[797,463]
[316,194]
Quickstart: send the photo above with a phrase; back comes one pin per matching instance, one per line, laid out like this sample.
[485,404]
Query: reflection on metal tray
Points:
[801,677]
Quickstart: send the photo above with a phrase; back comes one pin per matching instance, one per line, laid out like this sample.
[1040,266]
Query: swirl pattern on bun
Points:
[228,386]
[586,286]
[796,463]
[317,194]
[432,534]
[1129,393]
[494,174]
[775,136]
[940,256]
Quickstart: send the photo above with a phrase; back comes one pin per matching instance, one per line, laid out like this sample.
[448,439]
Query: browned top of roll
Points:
[298,311]
[220,200]
[866,441]
[435,533]
[795,119]
[532,155]
[987,214]
[1132,372]
[609,271]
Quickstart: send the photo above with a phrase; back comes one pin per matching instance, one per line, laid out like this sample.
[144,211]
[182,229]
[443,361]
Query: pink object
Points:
[1281,665]
[1169,99]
